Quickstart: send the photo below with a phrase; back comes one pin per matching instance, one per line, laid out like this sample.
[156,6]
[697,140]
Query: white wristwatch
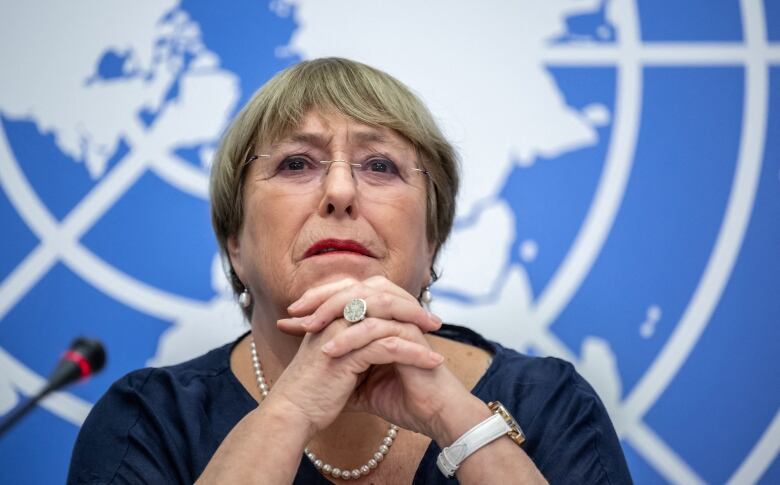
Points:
[500,424]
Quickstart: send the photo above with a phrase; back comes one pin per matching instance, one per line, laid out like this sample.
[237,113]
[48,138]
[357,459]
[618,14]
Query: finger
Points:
[388,306]
[394,350]
[314,297]
[311,297]
[292,326]
[364,333]
[381,282]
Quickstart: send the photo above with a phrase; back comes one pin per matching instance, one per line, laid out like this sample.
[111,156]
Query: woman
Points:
[332,193]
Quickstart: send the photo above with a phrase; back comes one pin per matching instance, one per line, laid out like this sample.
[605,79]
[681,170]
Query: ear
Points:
[428,280]
[234,254]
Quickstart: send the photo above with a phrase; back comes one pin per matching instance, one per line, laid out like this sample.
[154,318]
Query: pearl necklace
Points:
[326,468]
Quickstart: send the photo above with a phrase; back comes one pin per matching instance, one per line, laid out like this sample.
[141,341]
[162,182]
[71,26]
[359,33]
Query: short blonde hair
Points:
[356,90]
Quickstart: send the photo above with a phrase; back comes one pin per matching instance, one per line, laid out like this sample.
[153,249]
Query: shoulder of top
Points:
[541,370]
[509,363]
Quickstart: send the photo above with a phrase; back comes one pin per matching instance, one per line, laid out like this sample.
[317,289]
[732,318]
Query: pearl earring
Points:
[245,299]
[426,296]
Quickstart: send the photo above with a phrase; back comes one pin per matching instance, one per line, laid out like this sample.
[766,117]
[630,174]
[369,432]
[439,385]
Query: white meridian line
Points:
[726,249]
[760,457]
[600,217]
[661,457]
[24,276]
[102,197]
[63,404]
[696,317]
[183,176]
[723,257]
[661,54]
[609,193]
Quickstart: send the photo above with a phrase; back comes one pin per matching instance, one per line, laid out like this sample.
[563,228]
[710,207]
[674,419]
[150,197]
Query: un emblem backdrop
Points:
[620,208]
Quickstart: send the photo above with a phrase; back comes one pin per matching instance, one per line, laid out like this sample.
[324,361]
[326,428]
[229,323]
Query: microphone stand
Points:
[22,410]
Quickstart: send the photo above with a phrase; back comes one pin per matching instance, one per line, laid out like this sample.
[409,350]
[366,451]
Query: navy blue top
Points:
[163,425]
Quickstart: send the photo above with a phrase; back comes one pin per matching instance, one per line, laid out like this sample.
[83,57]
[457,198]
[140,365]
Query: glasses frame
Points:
[329,163]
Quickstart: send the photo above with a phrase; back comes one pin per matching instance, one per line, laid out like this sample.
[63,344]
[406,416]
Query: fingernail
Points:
[328,347]
[435,317]
[436,357]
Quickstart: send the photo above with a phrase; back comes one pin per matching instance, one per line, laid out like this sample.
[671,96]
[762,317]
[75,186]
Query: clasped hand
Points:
[382,365]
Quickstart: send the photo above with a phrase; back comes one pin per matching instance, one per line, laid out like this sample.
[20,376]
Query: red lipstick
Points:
[325,246]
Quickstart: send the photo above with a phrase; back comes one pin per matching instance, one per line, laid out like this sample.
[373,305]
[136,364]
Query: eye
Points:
[380,165]
[295,163]
[298,168]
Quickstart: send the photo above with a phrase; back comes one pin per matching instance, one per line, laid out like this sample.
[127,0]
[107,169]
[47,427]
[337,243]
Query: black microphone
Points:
[84,358]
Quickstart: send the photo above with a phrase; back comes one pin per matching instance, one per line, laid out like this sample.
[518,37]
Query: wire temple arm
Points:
[252,158]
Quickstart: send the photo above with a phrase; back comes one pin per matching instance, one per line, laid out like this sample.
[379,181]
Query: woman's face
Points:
[306,224]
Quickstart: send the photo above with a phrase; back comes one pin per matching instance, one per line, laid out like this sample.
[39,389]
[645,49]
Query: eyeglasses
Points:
[377,176]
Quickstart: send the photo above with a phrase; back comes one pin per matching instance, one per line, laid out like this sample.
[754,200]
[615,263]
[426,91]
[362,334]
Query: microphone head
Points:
[84,358]
[92,351]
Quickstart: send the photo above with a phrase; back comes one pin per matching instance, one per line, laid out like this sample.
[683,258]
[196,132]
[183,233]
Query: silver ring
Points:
[355,310]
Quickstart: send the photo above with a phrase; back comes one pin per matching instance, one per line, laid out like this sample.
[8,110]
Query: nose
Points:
[339,191]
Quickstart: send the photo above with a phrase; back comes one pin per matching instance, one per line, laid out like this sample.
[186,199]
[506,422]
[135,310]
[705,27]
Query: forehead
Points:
[334,130]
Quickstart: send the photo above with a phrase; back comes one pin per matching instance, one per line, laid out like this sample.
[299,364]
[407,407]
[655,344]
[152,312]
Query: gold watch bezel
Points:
[515,432]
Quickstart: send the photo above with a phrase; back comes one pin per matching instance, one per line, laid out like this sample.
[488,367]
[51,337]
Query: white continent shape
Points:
[54,83]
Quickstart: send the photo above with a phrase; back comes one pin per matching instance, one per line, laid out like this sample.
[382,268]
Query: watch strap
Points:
[452,456]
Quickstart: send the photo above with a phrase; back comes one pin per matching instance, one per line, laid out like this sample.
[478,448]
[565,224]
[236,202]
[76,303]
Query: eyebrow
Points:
[321,141]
